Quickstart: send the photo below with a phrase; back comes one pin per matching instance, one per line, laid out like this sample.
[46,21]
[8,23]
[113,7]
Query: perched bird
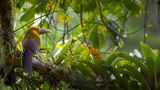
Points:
[31,46]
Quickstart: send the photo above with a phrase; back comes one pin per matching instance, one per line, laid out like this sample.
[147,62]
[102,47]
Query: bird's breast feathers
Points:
[31,44]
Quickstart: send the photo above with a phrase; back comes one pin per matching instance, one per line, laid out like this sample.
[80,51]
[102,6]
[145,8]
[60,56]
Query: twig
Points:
[140,28]
[104,24]
[33,21]
[125,15]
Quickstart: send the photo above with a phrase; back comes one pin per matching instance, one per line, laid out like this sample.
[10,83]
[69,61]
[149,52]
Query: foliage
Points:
[84,49]
[3,86]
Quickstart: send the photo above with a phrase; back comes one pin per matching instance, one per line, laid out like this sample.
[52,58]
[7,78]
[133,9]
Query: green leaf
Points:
[135,74]
[111,59]
[3,86]
[133,85]
[114,71]
[121,43]
[150,56]
[158,86]
[84,69]
[45,23]
[147,52]
[20,3]
[40,8]
[134,8]
[63,52]
[99,66]
[77,31]
[90,5]
[97,70]
[94,37]
[101,39]
[28,15]
[34,2]
[158,64]
[134,60]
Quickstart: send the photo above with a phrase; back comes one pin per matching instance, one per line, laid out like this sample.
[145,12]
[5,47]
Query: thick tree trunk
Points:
[6,42]
[6,29]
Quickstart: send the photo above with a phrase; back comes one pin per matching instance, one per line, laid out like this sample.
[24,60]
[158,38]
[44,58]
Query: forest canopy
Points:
[89,44]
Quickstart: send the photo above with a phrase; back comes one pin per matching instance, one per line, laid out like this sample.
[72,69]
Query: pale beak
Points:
[43,31]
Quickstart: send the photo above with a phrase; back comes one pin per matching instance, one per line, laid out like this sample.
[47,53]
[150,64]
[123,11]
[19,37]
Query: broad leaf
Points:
[27,16]
[111,59]
[150,57]
[134,60]
[20,3]
[147,52]
[133,72]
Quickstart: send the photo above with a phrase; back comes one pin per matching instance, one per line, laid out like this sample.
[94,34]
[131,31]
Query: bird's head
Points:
[37,30]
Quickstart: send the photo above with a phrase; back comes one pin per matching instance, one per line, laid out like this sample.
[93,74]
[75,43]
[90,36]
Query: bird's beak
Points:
[43,31]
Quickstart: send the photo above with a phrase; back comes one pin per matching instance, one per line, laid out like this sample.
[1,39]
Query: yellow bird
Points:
[31,46]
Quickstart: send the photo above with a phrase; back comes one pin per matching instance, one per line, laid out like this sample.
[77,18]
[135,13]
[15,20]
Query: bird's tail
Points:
[27,57]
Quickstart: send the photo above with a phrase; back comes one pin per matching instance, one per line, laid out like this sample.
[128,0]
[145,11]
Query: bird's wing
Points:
[31,45]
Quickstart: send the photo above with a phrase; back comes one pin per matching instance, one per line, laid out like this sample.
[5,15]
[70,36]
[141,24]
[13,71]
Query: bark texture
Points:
[6,28]
[7,51]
